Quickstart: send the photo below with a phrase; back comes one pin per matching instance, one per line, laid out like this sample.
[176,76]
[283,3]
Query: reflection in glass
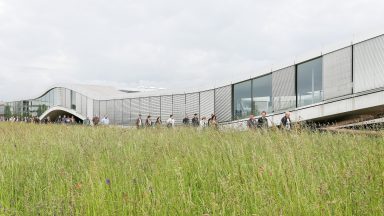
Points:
[262,94]
[309,82]
[242,100]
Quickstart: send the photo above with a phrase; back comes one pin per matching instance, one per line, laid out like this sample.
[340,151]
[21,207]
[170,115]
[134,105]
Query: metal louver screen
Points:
[166,107]
[126,111]
[119,112]
[61,93]
[90,106]
[103,109]
[368,64]
[283,89]
[84,105]
[68,98]
[192,104]
[111,111]
[154,107]
[144,107]
[178,108]
[78,103]
[96,108]
[337,73]
[207,100]
[135,109]
[223,103]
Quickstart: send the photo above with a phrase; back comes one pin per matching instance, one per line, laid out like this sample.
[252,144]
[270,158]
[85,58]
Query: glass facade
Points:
[54,97]
[310,82]
[251,96]
[262,94]
[282,90]
[242,99]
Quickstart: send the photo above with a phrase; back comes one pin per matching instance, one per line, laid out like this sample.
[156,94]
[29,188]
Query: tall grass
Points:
[73,170]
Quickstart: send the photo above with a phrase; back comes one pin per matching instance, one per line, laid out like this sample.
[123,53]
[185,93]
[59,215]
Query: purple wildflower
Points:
[108,182]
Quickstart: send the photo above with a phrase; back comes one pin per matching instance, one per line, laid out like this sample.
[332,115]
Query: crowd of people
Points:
[170,123]
[252,123]
[60,120]
[263,122]
[21,119]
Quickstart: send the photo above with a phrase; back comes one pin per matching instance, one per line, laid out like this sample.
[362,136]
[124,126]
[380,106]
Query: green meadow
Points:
[76,170]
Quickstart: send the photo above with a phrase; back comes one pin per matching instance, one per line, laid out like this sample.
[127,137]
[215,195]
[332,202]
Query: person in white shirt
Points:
[171,122]
[106,120]
[203,122]
[139,122]
[286,121]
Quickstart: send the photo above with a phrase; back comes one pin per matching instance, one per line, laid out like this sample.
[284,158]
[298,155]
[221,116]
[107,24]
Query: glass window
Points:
[84,105]
[242,100]
[67,98]
[309,82]
[262,94]
[78,102]
[52,97]
[73,100]
[127,111]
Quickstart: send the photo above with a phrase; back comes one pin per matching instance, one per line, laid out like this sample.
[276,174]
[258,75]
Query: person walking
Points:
[139,122]
[171,122]
[213,123]
[105,121]
[186,121]
[195,120]
[262,122]
[87,121]
[251,122]
[59,120]
[148,122]
[204,122]
[73,121]
[286,122]
[210,119]
[95,120]
[158,122]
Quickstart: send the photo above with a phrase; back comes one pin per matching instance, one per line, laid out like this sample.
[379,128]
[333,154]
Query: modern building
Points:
[336,84]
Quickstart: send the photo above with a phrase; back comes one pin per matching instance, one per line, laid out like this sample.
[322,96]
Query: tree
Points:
[41,109]
[7,111]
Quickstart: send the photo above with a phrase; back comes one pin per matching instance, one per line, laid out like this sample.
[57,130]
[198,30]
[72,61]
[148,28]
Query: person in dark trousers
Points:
[148,121]
[95,120]
[210,119]
[158,122]
[286,121]
[186,121]
[262,122]
[251,122]
[195,120]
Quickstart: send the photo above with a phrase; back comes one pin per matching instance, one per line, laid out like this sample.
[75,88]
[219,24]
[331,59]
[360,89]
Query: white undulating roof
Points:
[96,92]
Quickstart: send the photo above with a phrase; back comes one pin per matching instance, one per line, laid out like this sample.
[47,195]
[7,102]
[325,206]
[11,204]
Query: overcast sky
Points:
[166,43]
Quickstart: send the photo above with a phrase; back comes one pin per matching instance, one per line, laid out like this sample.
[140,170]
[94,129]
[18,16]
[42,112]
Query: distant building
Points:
[330,85]
[2,108]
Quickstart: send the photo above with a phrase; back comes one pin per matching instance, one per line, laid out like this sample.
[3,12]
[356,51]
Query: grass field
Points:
[73,170]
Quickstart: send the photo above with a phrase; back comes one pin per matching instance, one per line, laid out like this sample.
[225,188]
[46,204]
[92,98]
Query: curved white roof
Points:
[59,108]
[96,92]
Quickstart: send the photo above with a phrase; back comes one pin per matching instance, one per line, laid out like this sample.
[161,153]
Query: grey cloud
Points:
[170,43]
